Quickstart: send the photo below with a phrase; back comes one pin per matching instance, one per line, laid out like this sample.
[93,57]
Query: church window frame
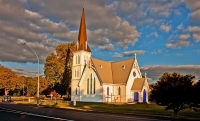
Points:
[88,86]
[107,90]
[94,85]
[91,84]
[75,73]
[79,59]
[119,91]
[76,59]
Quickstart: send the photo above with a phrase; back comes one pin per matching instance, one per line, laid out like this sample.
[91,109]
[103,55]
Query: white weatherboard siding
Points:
[129,95]
[74,85]
[107,92]
[95,93]
[119,97]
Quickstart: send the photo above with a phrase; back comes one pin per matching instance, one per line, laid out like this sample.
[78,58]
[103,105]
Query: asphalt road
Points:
[8,116]
[13,112]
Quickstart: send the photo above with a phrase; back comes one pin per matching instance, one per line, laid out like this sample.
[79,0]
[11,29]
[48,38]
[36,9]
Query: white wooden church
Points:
[96,80]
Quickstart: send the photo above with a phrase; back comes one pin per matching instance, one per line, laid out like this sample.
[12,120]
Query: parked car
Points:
[6,98]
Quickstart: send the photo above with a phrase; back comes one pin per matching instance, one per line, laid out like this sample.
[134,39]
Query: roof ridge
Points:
[114,61]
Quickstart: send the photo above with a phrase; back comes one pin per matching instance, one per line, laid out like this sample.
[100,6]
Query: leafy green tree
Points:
[58,66]
[173,91]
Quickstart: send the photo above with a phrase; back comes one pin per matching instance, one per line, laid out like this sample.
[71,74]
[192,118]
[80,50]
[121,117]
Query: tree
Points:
[10,80]
[67,75]
[195,97]
[173,91]
[58,67]
[31,85]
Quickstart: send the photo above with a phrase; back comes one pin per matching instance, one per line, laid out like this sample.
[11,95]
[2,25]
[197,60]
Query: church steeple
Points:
[82,36]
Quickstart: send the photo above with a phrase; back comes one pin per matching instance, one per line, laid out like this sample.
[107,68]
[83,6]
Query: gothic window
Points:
[88,86]
[94,85]
[76,91]
[107,90]
[91,84]
[75,73]
[119,91]
[78,59]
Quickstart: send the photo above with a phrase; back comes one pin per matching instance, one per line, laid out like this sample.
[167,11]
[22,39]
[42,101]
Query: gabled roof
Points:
[121,70]
[138,84]
[103,69]
[113,72]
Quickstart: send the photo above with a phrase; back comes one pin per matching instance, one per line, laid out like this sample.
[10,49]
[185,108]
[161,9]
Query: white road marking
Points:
[32,114]
[112,115]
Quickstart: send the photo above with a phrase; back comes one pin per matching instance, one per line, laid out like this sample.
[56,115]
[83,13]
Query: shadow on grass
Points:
[149,110]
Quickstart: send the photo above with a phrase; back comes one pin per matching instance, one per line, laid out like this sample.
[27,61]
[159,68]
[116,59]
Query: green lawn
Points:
[152,110]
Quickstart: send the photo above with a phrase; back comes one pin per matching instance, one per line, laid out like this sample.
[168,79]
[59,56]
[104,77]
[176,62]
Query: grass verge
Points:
[151,110]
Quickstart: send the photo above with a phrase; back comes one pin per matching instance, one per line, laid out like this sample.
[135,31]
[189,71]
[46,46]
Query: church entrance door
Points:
[144,95]
[136,95]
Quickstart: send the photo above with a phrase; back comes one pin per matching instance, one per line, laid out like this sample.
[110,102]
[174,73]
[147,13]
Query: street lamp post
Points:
[38,83]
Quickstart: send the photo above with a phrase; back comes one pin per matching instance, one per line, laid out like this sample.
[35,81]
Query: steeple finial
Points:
[135,55]
[82,36]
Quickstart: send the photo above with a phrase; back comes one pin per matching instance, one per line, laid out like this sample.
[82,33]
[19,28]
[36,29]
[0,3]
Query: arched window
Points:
[119,91]
[75,73]
[76,91]
[91,84]
[88,86]
[94,85]
[78,59]
[107,90]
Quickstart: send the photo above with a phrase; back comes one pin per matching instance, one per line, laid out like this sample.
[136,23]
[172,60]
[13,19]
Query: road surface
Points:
[13,112]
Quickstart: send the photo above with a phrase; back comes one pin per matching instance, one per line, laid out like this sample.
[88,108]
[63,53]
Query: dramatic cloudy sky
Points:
[165,34]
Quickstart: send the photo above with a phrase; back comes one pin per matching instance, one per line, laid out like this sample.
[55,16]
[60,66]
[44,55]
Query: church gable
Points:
[103,69]
[113,72]
[86,74]
[121,71]
[90,84]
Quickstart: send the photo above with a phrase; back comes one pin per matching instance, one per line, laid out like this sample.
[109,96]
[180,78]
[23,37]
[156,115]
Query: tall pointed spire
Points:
[82,36]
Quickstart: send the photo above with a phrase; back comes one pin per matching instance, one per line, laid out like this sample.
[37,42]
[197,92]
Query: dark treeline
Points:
[16,85]
[176,92]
